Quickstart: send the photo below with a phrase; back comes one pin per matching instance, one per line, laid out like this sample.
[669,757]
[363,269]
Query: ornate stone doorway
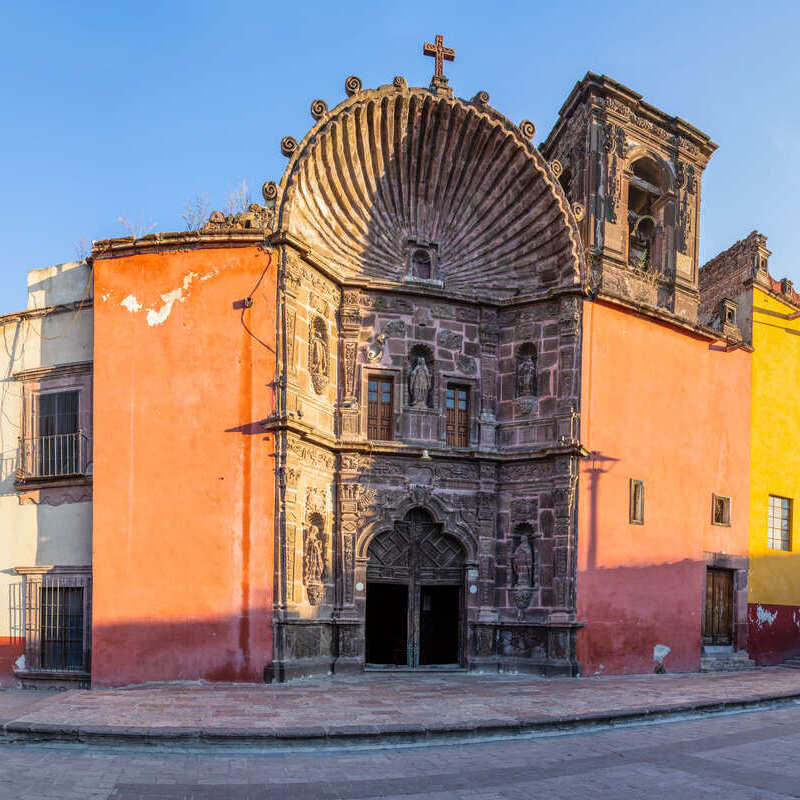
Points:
[415,596]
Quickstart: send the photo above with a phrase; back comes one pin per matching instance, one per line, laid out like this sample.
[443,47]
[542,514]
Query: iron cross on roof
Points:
[440,53]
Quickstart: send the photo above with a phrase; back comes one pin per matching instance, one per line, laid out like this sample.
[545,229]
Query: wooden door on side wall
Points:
[718,617]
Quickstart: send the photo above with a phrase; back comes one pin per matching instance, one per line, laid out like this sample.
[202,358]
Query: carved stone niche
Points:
[318,355]
[523,566]
[315,546]
[422,262]
[419,420]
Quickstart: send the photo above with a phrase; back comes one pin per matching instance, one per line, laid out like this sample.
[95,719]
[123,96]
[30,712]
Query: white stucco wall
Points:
[34,533]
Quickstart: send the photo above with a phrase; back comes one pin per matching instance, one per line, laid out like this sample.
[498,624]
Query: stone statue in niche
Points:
[522,561]
[419,384]
[526,376]
[318,354]
[314,562]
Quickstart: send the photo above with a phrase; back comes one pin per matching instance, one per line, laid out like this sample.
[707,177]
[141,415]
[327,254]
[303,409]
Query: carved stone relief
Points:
[318,354]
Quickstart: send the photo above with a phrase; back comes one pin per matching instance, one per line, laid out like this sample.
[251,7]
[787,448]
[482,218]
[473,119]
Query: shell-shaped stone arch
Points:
[451,525]
[395,166]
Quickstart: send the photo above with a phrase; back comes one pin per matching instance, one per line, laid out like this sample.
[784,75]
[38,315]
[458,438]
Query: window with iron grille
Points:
[636,502]
[457,421]
[61,627]
[380,408]
[779,528]
[56,614]
[721,510]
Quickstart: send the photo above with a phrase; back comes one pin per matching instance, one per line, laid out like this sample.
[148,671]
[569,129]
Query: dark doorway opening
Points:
[718,616]
[387,624]
[439,624]
[414,614]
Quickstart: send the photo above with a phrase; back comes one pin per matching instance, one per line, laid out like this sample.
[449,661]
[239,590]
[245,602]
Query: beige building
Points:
[45,479]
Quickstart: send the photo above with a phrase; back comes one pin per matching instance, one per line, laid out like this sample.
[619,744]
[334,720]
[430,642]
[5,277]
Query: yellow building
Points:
[736,288]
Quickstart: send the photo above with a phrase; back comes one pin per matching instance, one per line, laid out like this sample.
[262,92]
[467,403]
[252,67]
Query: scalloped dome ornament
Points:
[394,166]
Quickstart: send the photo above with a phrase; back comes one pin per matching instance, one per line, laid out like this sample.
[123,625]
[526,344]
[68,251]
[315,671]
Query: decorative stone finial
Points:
[527,129]
[481,99]
[319,108]
[352,85]
[288,145]
[400,83]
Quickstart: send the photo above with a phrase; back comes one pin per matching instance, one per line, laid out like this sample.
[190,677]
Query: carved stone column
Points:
[349,327]
[489,338]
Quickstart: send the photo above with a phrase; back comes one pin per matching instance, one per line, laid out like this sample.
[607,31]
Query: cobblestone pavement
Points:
[746,755]
[374,703]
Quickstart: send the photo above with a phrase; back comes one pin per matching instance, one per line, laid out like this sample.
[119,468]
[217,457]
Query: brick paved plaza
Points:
[374,705]
[748,755]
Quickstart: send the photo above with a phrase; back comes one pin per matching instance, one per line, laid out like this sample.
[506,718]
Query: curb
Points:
[366,735]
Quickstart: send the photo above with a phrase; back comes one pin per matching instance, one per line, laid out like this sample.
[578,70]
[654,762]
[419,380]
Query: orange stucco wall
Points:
[672,409]
[183,473]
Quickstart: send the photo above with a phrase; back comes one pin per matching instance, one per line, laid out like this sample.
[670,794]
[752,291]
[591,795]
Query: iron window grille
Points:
[54,616]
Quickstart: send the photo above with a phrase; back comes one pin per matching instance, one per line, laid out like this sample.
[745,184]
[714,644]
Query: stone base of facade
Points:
[324,647]
[53,680]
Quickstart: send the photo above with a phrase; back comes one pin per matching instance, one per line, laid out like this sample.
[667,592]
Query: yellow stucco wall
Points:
[775,447]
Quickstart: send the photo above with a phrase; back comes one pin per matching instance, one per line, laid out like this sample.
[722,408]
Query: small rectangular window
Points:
[380,409]
[720,510]
[779,529]
[636,510]
[456,403]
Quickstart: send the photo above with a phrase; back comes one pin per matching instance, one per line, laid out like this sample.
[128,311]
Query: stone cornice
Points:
[619,99]
[46,311]
[700,331]
[54,371]
[181,240]
[54,569]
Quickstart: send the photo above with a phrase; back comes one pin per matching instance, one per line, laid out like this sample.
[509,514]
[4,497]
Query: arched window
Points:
[645,213]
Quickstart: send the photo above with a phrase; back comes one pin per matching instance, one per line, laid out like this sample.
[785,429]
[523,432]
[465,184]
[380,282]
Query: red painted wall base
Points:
[10,651]
[774,632]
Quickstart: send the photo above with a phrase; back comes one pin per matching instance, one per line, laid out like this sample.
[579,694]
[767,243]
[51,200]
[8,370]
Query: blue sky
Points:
[129,109]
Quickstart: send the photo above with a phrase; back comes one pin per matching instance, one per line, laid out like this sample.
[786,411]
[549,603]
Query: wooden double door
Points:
[414,615]
[718,615]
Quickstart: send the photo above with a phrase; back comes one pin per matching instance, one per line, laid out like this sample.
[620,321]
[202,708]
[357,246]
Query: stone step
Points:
[726,662]
[792,663]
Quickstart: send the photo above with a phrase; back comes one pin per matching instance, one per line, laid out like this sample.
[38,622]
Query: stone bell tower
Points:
[632,174]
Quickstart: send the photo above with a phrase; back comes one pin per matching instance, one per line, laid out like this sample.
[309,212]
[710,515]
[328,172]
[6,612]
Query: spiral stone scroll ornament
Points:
[269,192]
[288,145]
[527,129]
[400,83]
[353,85]
[319,108]
[578,211]
[481,99]
[556,167]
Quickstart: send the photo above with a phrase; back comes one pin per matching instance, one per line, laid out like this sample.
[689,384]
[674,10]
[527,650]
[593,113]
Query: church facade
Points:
[428,406]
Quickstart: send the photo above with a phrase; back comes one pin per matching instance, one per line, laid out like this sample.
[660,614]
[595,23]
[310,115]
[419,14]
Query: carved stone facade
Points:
[457,354]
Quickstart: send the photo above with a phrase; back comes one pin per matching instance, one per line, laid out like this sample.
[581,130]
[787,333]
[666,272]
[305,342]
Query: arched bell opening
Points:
[415,605]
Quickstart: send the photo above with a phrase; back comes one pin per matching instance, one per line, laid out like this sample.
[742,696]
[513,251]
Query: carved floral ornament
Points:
[318,356]
[360,233]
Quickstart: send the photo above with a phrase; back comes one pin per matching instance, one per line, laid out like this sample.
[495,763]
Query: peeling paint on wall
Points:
[796,618]
[179,295]
[764,615]
[129,302]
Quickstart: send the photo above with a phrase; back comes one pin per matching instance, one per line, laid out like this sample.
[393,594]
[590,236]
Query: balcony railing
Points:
[60,455]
